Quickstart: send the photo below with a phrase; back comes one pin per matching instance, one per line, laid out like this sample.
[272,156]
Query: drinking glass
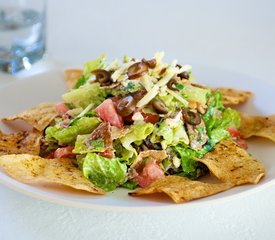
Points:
[22,33]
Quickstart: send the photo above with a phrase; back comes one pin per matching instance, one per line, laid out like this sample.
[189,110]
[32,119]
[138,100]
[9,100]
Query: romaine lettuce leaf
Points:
[106,173]
[94,145]
[88,67]
[85,95]
[121,152]
[169,136]
[171,102]
[163,134]
[195,94]
[190,168]
[98,63]
[218,119]
[138,132]
[130,184]
[68,135]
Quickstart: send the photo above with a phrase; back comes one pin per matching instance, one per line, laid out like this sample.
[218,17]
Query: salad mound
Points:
[129,124]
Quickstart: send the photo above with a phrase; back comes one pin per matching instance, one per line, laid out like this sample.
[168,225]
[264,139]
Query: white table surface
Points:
[236,35]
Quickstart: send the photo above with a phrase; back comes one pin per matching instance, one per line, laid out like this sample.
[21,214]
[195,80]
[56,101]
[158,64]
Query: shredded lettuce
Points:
[130,184]
[167,136]
[97,63]
[84,145]
[88,68]
[121,152]
[218,119]
[106,173]
[190,168]
[171,102]
[138,132]
[85,95]
[68,135]
[195,94]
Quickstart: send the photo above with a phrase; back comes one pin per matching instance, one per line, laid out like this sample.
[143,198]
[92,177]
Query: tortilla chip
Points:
[182,189]
[21,142]
[231,96]
[33,169]
[72,76]
[261,126]
[39,117]
[231,163]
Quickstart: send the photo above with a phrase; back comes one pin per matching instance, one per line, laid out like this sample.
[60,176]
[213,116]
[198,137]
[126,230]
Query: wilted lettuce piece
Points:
[138,132]
[68,135]
[85,95]
[84,145]
[195,94]
[106,173]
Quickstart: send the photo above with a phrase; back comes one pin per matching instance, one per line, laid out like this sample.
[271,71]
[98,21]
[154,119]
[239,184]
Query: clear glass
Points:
[22,33]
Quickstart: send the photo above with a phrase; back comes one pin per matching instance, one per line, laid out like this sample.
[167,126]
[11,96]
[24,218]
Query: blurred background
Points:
[238,35]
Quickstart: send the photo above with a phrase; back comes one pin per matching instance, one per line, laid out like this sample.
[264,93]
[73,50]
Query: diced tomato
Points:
[64,152]
[107,153]
[61,108]
[150,173]
[234,132]
[238,138]
[107,112]
[150,118]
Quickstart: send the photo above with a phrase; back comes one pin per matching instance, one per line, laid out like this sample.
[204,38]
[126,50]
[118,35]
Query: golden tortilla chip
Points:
[72,76]
[261,126]
[39,117]
[231,96]
[231,163]
[21,142]
[182,189]
[34,169]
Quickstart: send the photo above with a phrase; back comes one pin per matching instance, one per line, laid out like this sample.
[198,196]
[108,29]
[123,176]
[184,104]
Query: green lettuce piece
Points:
[190,168]
[88,67]
[195,94]
[163,134]
[121,152]
[94,145]
[85,95]
[81,81]
[171,102]
[218,119]
[138,132]
[68,135]
[106,173]
[98,63]
[169,136]
[130,185]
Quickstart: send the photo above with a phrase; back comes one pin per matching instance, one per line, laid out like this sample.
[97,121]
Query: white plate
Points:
[49,86]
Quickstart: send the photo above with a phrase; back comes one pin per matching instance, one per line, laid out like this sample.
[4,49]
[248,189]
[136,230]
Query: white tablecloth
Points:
[237,35]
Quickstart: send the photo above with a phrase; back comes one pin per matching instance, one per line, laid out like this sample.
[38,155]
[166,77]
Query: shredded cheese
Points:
[178,97]
[148,97]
